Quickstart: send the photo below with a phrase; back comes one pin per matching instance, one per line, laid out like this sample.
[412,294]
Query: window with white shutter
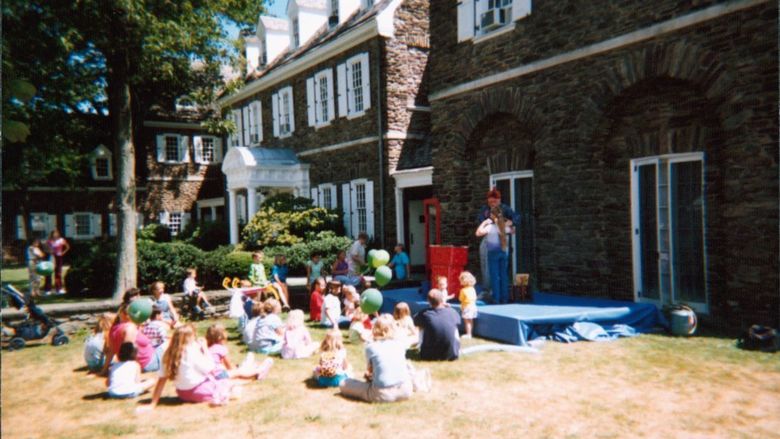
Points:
[328,197]
[320,98]
[235,138]
[357,85]
[362,206]
[284,116]
[206,149]
[256,123]
[174,221]
[246,114]
[83,225]
[172,148]
[315,197]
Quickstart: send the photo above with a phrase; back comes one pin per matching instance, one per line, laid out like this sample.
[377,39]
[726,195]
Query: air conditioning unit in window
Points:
[494,18]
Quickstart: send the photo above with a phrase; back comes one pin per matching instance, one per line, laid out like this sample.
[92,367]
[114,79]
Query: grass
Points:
[649,386]
[19,278]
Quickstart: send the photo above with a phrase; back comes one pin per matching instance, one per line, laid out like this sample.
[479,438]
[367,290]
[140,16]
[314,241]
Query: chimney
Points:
[306,18]
[274,38]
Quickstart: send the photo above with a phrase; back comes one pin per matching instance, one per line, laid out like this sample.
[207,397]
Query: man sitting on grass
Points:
[439,326]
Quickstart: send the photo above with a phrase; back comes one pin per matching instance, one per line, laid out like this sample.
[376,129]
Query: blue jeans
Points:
[499,277]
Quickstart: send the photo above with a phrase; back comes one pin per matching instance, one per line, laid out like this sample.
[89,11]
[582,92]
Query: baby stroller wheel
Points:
[59,340]
[16,343]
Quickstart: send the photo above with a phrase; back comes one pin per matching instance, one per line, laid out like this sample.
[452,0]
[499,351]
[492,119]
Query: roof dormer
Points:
[340,10]
[306,18]
[254,59]
[273,38]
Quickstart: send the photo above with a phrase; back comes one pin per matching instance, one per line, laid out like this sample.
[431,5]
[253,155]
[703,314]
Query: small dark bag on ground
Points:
[760,338]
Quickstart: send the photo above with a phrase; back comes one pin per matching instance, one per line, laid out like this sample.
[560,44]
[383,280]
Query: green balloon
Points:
[139,310]
[370,258]
[44,268]
[370,301]
[381,257]
[383,275]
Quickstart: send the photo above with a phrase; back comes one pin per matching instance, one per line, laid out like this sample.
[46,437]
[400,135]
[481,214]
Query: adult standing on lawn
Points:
[496,231]
[356,258]
[493,201]
[125,330]
[439,325]
[58,246]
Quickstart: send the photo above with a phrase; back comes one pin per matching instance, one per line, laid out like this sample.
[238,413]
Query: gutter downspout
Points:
[380,144]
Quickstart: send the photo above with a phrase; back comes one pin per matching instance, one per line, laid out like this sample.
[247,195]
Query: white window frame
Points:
[327,192]
[72,227]
[320,111]
[182,143]
[279,112]
[255,123]
[355,207]
[101,153]
[347,96]
[175,221]
[200,152]
[469,18]
[512,176]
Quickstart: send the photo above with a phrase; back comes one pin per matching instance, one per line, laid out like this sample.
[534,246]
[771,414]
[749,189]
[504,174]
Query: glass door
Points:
[669,258]
[517,192]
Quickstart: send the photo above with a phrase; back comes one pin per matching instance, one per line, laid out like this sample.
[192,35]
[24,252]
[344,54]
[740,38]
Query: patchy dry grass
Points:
[649,386]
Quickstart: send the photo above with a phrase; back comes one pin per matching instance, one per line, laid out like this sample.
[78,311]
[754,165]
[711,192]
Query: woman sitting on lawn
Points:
[189,365]
[125,330]
[387,377]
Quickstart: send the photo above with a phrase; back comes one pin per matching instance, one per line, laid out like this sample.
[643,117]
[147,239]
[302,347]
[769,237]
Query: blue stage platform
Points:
[556,316]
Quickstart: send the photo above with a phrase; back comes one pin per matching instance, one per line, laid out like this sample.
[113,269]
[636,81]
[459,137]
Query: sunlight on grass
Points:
[700,386]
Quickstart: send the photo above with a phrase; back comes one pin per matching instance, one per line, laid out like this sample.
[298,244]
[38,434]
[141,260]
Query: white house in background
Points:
[336,107]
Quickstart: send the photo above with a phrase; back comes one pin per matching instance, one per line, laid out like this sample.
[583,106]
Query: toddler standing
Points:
[468,301]
[297,341]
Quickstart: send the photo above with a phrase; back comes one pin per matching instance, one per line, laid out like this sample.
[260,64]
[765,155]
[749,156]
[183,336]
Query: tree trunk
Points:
[124,153]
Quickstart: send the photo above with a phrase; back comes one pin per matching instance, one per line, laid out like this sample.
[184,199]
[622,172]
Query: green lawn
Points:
[18,277]
[648,386]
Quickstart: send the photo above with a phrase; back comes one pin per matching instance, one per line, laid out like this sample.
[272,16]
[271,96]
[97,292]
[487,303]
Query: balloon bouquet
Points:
[371,299]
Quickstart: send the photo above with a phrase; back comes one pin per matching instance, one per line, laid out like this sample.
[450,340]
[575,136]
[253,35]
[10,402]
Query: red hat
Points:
[494,193]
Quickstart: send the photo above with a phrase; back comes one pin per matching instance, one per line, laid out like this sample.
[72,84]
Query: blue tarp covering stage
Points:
[555,316]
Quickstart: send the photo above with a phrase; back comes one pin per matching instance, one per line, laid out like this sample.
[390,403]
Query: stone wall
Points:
[711,88]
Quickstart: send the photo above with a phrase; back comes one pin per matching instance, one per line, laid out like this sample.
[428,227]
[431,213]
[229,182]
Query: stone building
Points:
[638,142]
[178,181]
[335,108]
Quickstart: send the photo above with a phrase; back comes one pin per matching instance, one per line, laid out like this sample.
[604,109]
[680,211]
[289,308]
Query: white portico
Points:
[254,173]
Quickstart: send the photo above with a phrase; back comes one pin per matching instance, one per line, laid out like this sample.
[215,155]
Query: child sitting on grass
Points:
[404,325]
[468,301]
[266,336]
[316,299]
[360,328]
[188,364]
[351,303]
[93,347]
[194,292]
[333,367]
[124,377]
[331,306]
[163,301]
[297,341]
[216,339]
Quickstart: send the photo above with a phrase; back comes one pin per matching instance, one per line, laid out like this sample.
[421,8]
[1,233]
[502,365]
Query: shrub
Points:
[326,243]
[155,232]
[92,271]
[284,220]
[207,235]
[226,262]
[167,262]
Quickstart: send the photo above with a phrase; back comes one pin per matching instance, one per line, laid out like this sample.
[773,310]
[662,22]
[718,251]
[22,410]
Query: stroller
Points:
[36,326]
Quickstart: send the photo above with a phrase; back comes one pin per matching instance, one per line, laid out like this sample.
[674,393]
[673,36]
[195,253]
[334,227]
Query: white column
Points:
[233,216]
[251,203]
[399,215]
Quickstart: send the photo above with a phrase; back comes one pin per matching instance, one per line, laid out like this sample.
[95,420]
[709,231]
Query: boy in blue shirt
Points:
[400,263]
